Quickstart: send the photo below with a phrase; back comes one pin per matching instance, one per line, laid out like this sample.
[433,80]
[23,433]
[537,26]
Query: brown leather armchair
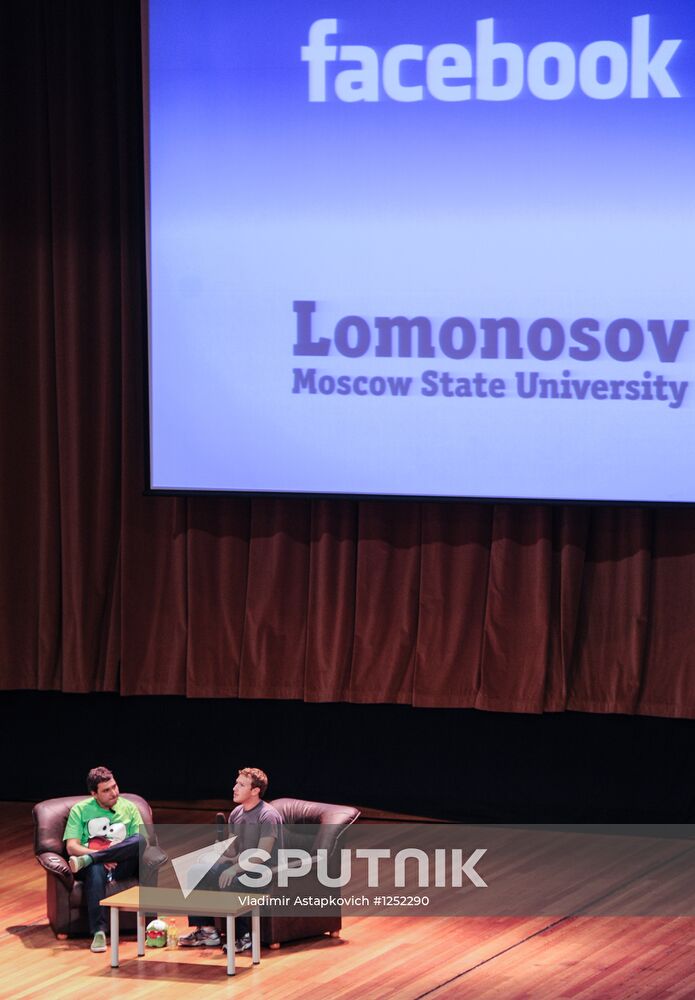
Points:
[326,824]
[66,911]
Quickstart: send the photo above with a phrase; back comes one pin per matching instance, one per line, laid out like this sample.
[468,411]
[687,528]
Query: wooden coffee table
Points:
[218,904]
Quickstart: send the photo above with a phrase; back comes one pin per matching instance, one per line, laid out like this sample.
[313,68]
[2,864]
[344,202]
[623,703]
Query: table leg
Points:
[114,937]
[231,941]
[256,935]
[141,934]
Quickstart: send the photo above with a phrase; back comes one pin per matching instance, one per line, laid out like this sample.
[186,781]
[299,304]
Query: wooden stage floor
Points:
[403,958]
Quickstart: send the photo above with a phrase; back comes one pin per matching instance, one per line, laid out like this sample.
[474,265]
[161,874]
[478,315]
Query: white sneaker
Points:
[98,942]
[242,943]
[200,938]
[76,862]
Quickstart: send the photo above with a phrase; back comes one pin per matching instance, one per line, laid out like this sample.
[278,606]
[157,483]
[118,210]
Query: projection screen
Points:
[423,249]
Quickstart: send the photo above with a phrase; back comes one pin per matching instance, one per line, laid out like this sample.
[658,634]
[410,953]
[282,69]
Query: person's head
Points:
[102,786]
[250,786]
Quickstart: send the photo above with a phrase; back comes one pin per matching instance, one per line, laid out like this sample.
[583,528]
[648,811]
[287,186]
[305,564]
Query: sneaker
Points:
[77,862]
[98,942]
[200,938]
[242,943]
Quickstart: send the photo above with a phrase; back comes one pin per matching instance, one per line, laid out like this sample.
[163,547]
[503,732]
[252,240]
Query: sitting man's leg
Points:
[203,932]
[93,878]
[128,849]
[91,871]
[242,924]
[242,929]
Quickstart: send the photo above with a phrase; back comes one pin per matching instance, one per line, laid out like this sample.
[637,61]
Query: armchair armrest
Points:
[153,856]
[58,866]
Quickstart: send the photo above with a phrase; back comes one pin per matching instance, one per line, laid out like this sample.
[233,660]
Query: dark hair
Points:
[96,776]
[259,779]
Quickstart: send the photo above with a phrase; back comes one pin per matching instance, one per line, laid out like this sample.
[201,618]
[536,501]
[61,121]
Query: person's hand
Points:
[110,865]
[227,877]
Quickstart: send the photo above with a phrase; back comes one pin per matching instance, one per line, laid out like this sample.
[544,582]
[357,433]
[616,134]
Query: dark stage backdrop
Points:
[455,764]
[500,607]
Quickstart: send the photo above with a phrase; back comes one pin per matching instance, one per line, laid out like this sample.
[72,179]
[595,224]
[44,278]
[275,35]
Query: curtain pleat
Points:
[274,645]
[331,600]
[455,565]
[386,603]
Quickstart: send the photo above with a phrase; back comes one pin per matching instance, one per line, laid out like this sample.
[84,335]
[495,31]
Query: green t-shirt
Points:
[97,827]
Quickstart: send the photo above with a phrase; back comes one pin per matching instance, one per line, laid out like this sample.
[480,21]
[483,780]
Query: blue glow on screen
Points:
[423,249]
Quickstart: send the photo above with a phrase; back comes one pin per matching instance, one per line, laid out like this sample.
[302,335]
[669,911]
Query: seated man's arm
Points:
[72,834]
[75,848]
[267,844]
[264,844]
[231,853]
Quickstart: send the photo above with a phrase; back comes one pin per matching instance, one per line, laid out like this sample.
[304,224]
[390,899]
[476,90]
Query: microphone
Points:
[221,821]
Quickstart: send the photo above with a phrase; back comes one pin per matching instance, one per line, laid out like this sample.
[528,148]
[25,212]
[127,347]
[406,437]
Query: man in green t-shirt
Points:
[102,841]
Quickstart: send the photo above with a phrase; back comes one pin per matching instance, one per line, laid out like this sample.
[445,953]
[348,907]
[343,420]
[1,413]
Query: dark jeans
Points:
[93,877]
[242,925]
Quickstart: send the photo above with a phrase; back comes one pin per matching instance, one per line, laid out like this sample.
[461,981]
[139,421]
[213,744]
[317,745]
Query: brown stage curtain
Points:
[524,608]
